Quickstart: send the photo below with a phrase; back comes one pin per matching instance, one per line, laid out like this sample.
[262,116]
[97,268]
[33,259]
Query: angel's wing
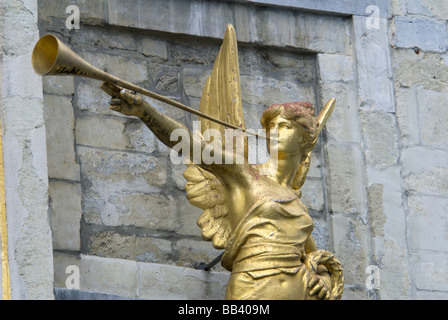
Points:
[221,99]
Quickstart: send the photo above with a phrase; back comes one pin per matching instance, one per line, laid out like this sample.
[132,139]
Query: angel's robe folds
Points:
[270,239]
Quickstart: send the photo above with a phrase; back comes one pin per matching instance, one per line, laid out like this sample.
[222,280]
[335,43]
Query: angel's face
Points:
[289,135]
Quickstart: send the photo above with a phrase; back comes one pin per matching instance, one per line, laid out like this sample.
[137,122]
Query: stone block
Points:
[425,170]
[429,8]
[431,295]
[58,85]
[380,137]
[427,223]
[194,80]
[313,195]
[430,271]
[149,211]
[263,91]
[90,98]
[122,66]
[61,262]
[193,253]
[335,67]
[345,179]
[114,133]
[407,115]
[350,238]
[177,174]
[131,247]
[154,48]
[343,124]
[112,178]
[109,39]
[66,212]
[107,275]
[59,123]
[188,216]
[433,118]
[163,282]
[424,34]
[320,234]
[426,70]
[279,27]
[91,12]
[375,89]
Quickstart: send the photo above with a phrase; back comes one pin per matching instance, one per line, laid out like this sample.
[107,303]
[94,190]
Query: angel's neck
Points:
[283,168]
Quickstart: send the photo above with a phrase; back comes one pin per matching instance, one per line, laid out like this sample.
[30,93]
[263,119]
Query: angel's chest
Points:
[241,198]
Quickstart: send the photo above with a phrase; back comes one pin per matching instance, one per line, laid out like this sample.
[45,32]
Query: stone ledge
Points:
[112,279]
[343,7]
[253,24]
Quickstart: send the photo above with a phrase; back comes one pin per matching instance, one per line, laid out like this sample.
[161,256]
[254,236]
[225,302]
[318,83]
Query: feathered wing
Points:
[221,99]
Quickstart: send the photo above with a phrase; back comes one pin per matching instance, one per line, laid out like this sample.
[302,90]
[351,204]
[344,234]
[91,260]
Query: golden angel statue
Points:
[257,218]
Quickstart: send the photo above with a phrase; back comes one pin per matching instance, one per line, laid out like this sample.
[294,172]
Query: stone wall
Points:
[29,244]
[377,185]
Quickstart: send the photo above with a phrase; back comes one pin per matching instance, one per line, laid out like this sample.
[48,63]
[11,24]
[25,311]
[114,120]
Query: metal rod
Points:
[212,263]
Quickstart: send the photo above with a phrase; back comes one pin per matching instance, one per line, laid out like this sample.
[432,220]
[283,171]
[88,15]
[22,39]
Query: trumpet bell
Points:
[45,54]
[53,57]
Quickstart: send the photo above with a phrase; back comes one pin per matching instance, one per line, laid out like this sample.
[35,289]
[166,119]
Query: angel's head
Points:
[296,125]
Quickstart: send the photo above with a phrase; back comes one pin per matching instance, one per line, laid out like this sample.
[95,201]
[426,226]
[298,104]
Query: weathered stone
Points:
[421,33]
[60,124]
[194,80]
[375,88]
[111,178]
[109,39]
[123,67]
[312,195]
[274,27]
[425,70]
[343,125]
[116,276]
[188,216]
[149,211]
[194,252]
[425,170]
[154,48]
[433,118]
[431,295]
[114,133]
[381,141]
[350,239]
[263,91]
[130,247]
[61,263]
[399,7]
[66,212]
[345,176]
[89,97]
[335,67]
[58,85]
[171,282]
[429,8]
[428,213]
[407,115]
[164,78]
[320,234]
[430,271]
[177,174]
[101,132]
[91,12]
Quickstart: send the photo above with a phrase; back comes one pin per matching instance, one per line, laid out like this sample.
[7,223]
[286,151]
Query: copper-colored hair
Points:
[300,112]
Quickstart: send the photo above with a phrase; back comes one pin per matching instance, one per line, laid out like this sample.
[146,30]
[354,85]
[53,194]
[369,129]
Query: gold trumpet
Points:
[54,58]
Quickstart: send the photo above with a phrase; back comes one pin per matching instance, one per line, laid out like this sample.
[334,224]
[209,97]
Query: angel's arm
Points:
[161,125]
[127,103]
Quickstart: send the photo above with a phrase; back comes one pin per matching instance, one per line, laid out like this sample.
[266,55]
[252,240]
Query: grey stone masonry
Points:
[377,187]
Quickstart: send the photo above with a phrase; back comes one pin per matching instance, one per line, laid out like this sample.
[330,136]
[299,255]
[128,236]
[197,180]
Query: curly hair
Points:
[302,113]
